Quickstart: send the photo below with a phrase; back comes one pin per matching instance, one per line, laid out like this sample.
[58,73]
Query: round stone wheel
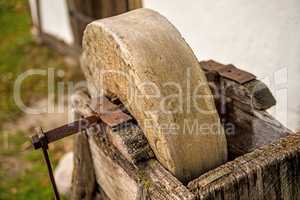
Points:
[142,59]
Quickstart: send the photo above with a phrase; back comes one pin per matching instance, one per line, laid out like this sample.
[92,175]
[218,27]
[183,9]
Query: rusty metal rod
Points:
[64,131]
[42,139]
[50,172]
[112,118]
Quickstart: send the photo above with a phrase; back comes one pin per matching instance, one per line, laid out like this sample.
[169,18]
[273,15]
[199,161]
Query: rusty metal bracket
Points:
[44,145]
[228,71]
[105,112]
[108,112]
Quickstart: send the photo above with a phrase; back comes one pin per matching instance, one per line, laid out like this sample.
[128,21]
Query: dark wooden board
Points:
[270,172]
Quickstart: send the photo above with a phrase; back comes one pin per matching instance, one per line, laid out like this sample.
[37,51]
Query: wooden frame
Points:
[267,168]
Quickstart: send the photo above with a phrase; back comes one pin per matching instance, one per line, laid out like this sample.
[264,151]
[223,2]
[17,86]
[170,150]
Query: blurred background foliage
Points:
[23,174]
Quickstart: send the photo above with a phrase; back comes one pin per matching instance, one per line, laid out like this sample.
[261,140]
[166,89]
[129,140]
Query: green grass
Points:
[23,174]
[14,36]
[18,53]
[27,178]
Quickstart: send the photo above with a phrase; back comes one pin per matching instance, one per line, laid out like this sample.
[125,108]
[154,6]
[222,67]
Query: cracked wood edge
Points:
[270,172]
[128,138]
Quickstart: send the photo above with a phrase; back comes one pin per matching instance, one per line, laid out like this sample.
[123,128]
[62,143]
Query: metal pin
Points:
[44,145]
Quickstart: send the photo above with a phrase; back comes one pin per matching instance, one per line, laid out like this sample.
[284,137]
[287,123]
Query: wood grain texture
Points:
[134,4]
[82,12]
[128,138]
[242,107]
[270,172]
[83,180]
[253,129]
[84,185]
[120,179]
[79,10]
[253,93]
[142,47]
[114,179]
[119,173]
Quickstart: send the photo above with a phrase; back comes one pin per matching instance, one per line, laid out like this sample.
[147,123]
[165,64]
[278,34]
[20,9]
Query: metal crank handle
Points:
[63,131]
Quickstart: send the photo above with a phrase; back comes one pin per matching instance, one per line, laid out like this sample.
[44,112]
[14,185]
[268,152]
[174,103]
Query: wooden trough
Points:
[113,159]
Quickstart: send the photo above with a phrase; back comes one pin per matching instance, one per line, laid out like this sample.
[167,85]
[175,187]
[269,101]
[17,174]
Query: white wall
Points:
[260,36]
[55,19]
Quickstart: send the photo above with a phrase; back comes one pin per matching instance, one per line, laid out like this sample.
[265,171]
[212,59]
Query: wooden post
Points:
[134,4]
[84,182]
[82,12]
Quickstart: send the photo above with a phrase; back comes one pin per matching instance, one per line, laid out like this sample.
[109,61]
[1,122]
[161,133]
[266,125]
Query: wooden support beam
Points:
[247,125]
[120,179]
[252,130]
[253,93]
[83,181]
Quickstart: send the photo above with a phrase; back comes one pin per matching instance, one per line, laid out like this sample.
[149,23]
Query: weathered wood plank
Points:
[116,173]
[84,185]
[254,93]
[83,180]
[127,138]
[161,184]
[252,129]
[120,6]
[228,189]
[271,172]
[79,10]
[242,107]
[121,179]
[113,179]
[82,12]
[134,4]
